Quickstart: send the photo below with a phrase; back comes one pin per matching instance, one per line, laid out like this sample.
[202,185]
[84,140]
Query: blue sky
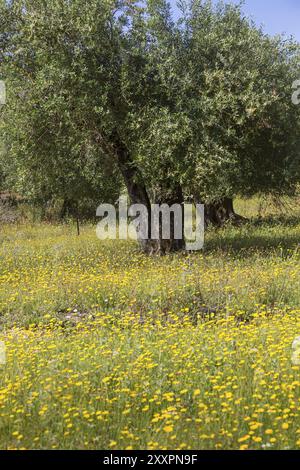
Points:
[277,16]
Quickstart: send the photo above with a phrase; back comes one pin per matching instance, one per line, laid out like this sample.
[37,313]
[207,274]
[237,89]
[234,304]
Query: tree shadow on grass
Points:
[260,235]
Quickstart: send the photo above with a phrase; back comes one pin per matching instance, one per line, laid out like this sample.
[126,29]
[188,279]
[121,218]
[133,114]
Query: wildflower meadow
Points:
[149,232]
[108,348]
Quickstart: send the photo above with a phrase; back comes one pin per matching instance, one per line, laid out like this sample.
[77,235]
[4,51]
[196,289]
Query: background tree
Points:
[228,126]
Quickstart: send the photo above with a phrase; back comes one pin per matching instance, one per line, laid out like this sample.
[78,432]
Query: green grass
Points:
[107,347]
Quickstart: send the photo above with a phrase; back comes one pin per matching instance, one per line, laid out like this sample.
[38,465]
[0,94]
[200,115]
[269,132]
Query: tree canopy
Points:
[104,94]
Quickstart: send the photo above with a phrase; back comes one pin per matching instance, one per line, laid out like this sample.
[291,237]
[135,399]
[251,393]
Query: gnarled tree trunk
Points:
[138,195]
[221,212]
[171,244]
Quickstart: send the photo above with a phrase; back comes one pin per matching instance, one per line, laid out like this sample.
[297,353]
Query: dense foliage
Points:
[108,93]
